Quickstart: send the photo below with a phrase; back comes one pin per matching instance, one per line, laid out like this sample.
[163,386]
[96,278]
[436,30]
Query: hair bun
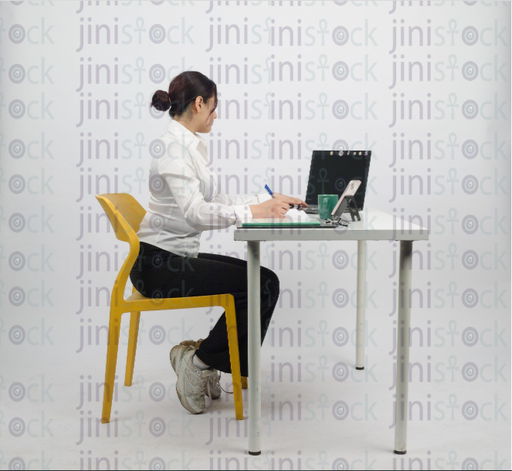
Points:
[161,100]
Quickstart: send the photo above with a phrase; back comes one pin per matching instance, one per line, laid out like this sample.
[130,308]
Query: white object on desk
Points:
[293,216]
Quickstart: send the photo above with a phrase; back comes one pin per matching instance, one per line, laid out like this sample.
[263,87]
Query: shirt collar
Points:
[177,129]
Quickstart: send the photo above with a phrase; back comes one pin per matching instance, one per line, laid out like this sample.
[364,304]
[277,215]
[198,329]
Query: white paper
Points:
[297,215]
[293,215]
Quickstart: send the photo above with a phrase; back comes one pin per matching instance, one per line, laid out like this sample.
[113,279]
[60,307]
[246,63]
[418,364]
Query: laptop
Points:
[332,170]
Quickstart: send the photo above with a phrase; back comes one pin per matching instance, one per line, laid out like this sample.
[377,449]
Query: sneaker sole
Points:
[186,404]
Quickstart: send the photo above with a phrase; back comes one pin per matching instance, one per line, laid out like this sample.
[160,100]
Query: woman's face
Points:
[206,116]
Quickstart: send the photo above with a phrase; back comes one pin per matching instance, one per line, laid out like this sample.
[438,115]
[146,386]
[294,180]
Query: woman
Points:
[185,201]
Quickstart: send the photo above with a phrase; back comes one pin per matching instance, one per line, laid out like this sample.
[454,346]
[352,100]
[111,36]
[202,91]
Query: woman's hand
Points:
[273,208]
[290,200]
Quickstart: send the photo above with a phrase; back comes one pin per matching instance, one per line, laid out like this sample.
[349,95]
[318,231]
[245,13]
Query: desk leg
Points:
[402,341]
[254,349]
[361,300]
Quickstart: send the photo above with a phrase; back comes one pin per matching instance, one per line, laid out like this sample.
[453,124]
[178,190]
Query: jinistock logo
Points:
[406,184]
[444,34]
[448,333]
[36,75]
[435,71]
[35,333]
[37,390]
[34,34]
[446,147]
[453,459]
[119,33]
[421,108]
[42,462]
[275,34]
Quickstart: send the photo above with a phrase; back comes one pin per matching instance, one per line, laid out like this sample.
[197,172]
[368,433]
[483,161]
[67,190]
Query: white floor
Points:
[60,427]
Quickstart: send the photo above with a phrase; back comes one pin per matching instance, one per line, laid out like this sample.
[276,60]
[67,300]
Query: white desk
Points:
[374,225]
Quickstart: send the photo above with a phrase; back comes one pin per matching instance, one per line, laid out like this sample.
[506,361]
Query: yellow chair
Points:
[125,215]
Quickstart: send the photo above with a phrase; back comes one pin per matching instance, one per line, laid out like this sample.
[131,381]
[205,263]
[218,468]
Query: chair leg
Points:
[245,385]
[110,371]
[234,356]
[132,347]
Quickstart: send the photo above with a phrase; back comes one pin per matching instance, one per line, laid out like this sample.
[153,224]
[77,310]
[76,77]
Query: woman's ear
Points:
[198,103]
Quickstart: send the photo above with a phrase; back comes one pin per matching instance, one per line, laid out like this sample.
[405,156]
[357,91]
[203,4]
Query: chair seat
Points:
[136,296]
[139,302]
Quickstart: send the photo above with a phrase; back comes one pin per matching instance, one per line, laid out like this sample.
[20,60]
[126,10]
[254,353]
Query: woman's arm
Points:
[180,175]
[241,200]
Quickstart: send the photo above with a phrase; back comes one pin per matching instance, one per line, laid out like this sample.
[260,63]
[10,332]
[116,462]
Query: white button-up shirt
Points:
[184,198]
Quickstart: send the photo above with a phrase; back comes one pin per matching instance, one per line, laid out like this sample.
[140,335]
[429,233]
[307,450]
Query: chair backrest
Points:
[124,212]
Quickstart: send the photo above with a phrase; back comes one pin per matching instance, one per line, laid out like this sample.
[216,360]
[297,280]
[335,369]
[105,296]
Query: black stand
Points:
[346,204]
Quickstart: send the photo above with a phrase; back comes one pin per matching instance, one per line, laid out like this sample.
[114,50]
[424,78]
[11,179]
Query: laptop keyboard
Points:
[311,209]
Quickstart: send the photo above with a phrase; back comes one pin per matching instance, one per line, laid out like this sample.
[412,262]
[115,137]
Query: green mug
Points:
[326,204]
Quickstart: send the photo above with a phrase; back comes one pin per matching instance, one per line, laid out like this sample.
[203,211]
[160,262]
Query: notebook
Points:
[293,218]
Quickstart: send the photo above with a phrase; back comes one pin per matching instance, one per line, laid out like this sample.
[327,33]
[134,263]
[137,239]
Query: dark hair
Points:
[183,90]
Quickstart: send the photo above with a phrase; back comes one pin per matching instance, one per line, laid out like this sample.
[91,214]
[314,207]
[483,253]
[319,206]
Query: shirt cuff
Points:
[243,213]
[262,197]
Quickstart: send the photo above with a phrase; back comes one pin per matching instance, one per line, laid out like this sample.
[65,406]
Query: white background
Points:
[45,297]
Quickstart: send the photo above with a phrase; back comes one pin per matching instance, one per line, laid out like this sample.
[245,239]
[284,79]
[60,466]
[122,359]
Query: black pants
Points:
[158,273]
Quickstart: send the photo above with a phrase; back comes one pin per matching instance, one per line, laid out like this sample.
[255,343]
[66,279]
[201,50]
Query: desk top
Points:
[374,225]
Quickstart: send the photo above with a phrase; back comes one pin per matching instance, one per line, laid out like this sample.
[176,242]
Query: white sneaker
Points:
[192,343]
[215,387]
[193,383]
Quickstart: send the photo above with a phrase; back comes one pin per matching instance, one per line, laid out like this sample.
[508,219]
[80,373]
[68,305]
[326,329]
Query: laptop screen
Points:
[331,171]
